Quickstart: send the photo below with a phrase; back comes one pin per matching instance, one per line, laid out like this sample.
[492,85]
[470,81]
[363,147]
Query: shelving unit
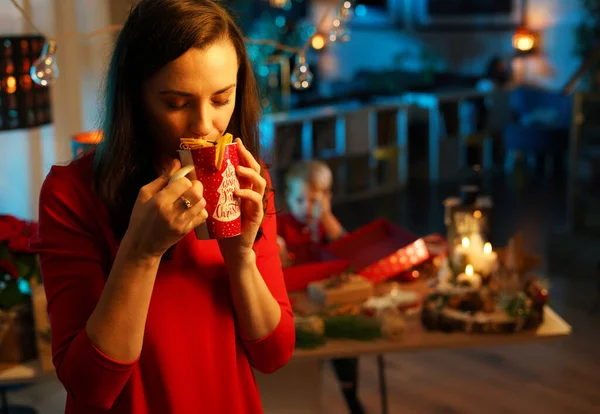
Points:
[365,160]
[367,145]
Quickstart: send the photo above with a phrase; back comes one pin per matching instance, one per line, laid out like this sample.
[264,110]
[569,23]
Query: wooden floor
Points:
[554,378]
[560,377]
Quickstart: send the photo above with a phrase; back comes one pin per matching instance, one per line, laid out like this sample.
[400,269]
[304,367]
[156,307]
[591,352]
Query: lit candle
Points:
[487,248]
[483,258]
[461,252]
[490,259]
[466,243]
[469,277]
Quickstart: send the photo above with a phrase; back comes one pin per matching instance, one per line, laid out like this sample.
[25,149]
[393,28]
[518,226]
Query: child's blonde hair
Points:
[316,173]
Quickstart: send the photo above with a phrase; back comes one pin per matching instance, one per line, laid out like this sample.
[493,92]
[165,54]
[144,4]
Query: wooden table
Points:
[296,388]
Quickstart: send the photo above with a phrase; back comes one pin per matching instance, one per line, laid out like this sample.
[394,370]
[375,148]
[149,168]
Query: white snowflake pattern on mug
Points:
[228,206]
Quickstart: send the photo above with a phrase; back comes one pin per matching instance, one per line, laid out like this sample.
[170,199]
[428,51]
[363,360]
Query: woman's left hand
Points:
[251,193]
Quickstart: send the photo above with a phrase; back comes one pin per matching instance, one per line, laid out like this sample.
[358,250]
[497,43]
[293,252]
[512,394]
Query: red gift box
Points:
[381,250]
[311,263]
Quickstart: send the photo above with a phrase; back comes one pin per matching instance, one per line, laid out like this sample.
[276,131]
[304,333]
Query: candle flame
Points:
[487,248]
[466,242]
[469,270]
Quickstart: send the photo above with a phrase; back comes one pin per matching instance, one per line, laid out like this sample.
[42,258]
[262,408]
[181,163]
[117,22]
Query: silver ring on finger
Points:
[187,203]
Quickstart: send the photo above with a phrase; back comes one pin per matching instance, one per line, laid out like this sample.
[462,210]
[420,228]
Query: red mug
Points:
[223,207]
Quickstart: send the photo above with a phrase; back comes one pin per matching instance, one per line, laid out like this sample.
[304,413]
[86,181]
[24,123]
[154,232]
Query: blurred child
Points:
[308,198]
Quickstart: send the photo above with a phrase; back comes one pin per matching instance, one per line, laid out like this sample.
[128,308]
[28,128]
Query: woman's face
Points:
[192,96]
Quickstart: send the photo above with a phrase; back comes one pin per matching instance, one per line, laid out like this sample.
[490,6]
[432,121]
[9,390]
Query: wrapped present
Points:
[436,245]
[310,263]
[396,299]
[349,289]
[381,250]
[398,262]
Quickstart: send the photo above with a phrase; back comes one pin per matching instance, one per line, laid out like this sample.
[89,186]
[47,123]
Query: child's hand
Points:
[331,225]
[316,211]
[325,206]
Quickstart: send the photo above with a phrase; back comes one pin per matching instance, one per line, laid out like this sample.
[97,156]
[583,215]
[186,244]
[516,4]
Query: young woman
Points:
[146,318]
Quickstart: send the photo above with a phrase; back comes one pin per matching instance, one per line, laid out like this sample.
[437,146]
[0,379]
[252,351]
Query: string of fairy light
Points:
[44,70]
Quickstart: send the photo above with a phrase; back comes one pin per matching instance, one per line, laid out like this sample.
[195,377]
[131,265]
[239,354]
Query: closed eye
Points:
[222,103]
[178,107]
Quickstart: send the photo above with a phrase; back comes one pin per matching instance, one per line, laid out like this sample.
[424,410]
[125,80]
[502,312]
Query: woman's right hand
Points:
[160,217]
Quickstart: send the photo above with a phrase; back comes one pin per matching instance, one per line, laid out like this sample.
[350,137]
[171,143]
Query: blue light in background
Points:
[267,138]
[24,287]
[360,10]
[280,21]
[263,71]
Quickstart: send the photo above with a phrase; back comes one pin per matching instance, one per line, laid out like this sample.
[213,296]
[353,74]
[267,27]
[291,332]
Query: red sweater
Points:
[296,233]
[192,360]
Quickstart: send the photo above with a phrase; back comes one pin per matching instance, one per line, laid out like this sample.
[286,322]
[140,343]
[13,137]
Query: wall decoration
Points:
[23,103]
[299,33]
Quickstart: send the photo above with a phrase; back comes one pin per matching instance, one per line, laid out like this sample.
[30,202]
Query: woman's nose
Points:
[203,123]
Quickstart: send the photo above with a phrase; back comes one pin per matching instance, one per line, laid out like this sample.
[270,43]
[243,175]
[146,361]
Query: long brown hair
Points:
[156,33]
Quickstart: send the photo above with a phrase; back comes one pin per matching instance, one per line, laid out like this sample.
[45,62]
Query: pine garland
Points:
[358,327]
[306,339]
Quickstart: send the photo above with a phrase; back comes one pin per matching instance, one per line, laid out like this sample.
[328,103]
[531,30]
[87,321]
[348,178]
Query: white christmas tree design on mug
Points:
[228,206]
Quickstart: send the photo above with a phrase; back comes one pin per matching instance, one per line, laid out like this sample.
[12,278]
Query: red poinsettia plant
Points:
[18,262]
